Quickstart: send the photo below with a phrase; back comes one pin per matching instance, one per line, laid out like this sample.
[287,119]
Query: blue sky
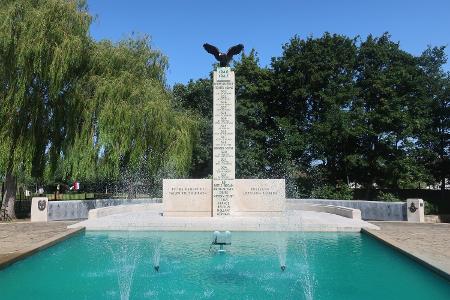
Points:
[179,28]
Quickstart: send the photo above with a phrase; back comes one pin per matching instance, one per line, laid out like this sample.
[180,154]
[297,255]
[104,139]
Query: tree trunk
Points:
[9,196]
[3,190]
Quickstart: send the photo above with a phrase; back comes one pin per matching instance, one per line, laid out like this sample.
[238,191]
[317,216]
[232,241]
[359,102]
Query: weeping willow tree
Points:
[43,51]
[129,128]
[74,107]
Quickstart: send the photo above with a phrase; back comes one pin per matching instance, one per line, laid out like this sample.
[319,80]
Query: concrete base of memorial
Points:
[195,197]
[150,218]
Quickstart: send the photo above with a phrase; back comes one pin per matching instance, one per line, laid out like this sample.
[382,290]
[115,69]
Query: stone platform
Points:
[290,221]
[21,239]
[428,244]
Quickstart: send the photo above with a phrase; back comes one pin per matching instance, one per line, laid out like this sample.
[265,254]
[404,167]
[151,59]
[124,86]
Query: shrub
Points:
[387,197]
[340,192]
[430,208]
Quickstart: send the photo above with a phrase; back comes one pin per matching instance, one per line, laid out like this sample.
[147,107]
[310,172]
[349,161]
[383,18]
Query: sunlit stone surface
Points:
[39,209]
[187,197]
[150,219]
[263,197]
[223,142]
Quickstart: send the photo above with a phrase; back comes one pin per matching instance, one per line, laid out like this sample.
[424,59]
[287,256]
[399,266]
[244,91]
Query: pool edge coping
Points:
[24,253]
[435,267]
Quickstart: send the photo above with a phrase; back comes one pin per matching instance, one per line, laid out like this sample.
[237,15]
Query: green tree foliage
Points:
[340,191]
[74,107]
[196,97]
[129,125]
[314,90]
[387,197]
[253,88]
[356,110]
[333,110]
[435,140]
[389,114]
[43,52]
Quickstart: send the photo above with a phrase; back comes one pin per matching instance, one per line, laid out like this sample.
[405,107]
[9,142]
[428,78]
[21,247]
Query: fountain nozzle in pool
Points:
[221,239]
[283,268]
[156,268]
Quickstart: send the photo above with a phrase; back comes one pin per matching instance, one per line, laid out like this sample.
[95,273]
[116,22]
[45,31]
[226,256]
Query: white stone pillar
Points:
[39,209]
[415,210]
[223,141]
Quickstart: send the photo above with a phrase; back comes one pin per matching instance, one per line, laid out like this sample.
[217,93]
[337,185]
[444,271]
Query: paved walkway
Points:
[426,242]
[20,239]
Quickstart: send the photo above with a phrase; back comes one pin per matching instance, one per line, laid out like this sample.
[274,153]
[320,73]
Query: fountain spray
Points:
[157,254]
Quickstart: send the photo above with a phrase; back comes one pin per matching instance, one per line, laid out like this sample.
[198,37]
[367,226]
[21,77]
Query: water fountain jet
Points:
[221,239]
[157,254]
[281,251]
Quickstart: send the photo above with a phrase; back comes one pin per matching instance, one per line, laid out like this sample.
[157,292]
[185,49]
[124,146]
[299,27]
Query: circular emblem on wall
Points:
[412,208]
[41,204]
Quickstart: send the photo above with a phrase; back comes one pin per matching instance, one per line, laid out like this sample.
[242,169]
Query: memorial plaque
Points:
[187,197]
[39,209]
[263,197]
[223,141]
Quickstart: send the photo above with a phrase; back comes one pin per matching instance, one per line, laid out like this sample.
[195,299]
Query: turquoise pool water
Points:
[319,266]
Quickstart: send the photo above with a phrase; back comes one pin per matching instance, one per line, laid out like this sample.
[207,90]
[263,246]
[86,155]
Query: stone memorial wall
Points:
[187,197]
[259,197]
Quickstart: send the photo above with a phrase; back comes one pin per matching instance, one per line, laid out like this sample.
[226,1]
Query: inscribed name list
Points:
[223,141]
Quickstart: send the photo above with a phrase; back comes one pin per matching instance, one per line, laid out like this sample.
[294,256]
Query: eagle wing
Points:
[212,50]
[235,50]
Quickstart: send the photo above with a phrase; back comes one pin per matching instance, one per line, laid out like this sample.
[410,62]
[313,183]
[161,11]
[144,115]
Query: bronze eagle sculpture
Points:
[223,58]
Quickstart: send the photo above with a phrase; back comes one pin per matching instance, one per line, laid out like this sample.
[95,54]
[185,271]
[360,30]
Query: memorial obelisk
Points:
[223,141]
[223,195]
[223,189]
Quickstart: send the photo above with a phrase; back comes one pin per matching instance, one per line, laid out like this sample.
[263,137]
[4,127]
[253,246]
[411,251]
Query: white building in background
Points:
[437,186]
